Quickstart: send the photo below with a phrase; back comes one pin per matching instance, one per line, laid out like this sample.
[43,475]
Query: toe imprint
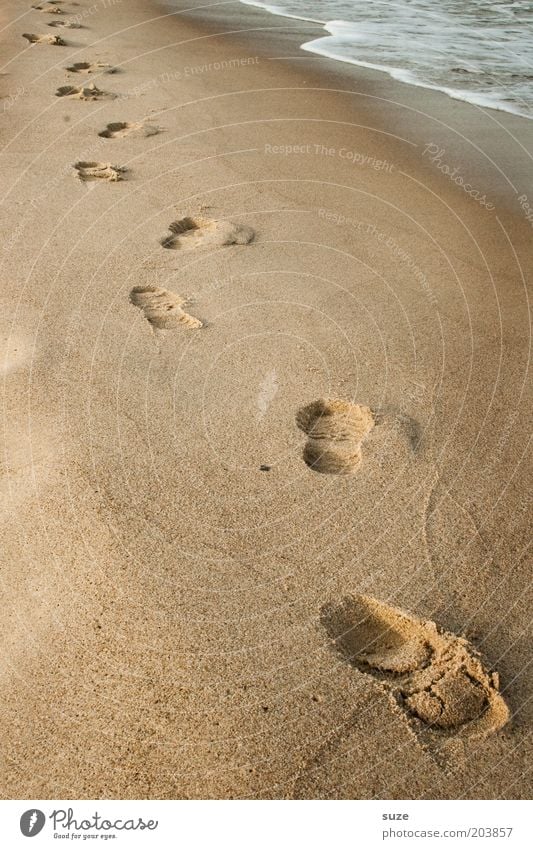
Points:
[87,171]
[42,39]
[191,233]
[437,677]
[162,308]
[335,430]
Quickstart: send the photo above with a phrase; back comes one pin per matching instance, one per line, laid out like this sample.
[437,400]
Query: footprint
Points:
[49,9]
[66,24]
[89,92]
[436,677]
[122,128]
[88,171]
[191,233]
[395,418]
[335,430]
[162,308]
[43,39]
[91,68]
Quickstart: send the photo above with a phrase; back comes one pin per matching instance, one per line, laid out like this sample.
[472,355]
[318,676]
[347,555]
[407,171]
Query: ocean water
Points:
[472,50]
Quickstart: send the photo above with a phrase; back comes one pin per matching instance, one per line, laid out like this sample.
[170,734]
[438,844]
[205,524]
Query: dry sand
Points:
[195,248]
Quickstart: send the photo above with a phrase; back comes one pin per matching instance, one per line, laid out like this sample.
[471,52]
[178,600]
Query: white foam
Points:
[478,52]
[326,47]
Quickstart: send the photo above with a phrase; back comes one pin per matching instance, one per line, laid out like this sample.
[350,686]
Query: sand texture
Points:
[265,483]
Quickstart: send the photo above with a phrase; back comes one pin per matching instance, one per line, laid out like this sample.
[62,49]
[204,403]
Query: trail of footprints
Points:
[162,308]
[436,678]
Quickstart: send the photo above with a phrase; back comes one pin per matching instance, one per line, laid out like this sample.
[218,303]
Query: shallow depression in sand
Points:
[249,392]
[163,308]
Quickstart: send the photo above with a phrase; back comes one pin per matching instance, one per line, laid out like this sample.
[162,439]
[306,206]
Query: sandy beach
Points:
[265,483]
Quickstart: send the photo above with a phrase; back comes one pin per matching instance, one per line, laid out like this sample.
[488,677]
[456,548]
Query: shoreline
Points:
[170,560]
[396,73]
[493,143]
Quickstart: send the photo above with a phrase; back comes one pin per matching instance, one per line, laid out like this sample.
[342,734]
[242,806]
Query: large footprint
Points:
[49,9]
[437,677]
[66,24]
[162,308]
[87,171]
[119,129]
[189,233]
[89,92]
[335,430]
[43,39]
[91,68]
